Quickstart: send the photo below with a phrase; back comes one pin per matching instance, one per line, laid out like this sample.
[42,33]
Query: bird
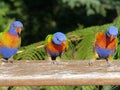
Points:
[55,45]
[10,40]
[106,43]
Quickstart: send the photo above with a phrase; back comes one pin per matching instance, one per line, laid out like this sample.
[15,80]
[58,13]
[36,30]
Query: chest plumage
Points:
[9,40]
[104,42]
[55,48]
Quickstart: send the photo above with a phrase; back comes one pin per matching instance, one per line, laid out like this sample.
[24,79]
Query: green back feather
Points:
[48,38]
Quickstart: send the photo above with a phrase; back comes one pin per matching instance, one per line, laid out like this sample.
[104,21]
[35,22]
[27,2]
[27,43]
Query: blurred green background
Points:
[42,17]
[80,20]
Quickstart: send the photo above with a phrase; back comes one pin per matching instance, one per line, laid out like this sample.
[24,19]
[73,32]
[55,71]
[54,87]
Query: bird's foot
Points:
[5,61]
[91,62]
[54,62]
[57,62]
[109,63]
[11,61]
[50,60]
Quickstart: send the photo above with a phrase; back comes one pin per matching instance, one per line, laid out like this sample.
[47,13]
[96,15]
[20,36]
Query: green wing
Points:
[0,42]
[1,35]
[48,38]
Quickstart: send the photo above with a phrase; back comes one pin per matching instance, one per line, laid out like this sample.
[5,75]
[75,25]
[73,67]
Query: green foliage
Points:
[92,6]
[3,88]
[40,20]
[80,45]
[50,88]
[95,6]
[22,88]
[110,4]
[35,51]
[68,88]
[4,20]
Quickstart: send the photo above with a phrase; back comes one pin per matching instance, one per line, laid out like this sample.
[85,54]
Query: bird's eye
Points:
[14,26]
[111,34]
[58,39]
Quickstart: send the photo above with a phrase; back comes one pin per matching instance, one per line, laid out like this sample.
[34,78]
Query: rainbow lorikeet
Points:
[56,45]
[106,43]
[10,40]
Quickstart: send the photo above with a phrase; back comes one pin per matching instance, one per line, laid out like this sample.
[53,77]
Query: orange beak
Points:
[111,37]
[63,43]
[19,30]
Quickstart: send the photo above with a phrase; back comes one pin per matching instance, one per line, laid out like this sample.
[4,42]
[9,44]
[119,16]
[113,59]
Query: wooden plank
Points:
[69,72]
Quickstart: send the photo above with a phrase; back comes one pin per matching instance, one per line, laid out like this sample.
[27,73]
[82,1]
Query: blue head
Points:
[112,30]
[16,27]
[59,38]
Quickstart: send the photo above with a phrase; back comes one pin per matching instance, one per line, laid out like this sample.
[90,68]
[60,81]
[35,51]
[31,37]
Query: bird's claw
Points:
[11,61]
[7,61]
[109,63]
[55,62]
[91,62]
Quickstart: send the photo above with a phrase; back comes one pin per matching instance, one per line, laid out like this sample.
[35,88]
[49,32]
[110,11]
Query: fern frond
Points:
[80,42]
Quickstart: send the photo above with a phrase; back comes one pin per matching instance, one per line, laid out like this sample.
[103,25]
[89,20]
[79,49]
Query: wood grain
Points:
[68,72]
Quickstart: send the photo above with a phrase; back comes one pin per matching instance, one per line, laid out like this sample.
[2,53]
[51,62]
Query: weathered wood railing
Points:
[70,72]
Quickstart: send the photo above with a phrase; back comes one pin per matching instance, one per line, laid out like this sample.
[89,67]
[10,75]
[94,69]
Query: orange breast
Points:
[104,42]
[9,40]
[55,48]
